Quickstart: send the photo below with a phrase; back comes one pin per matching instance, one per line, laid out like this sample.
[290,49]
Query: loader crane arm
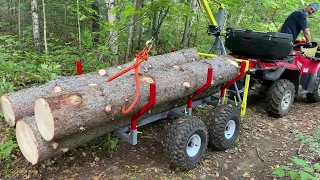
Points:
[215,28]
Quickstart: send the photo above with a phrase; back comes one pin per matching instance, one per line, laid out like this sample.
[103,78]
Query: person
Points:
[297,22]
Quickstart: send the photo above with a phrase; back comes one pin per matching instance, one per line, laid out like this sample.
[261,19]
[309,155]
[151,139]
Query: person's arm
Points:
[302,21]
[307,34]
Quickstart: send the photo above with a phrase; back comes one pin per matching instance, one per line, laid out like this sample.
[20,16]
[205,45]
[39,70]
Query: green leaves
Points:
[299,161]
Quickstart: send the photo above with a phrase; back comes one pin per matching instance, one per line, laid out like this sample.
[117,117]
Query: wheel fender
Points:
[312,81]
[274,75]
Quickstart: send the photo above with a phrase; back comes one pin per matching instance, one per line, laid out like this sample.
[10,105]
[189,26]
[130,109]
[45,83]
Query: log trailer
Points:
[68,112]
[189,136]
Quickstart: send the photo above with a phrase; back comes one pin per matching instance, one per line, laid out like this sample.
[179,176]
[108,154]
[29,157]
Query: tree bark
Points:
[113,37]
[186,34]
[79,28]
[69,112]
[16,105]
[35,20]
[36,150]
[44,27]
[137,28]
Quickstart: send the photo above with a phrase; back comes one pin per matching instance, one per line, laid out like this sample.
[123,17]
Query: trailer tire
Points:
[224,128]
[186,142]
[280,98]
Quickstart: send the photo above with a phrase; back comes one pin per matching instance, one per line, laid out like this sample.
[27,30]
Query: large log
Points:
[36,150]
[16,105]
[69,112]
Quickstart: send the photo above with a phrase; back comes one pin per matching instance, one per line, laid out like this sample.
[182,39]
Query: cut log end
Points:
[44,119]
[8,112]
[27,142]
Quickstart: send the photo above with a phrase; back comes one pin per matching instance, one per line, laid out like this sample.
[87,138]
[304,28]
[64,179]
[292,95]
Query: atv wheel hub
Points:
[230,129]
[193,145]
[286,99]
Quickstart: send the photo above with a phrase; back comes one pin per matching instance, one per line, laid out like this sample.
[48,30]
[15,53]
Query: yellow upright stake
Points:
[209,13]
[245,96]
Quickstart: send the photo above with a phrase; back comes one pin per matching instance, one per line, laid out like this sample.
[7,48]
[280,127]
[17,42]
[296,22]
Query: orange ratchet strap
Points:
[140,57]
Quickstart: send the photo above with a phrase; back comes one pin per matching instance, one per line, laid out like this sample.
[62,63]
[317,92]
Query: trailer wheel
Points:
[224,128]
[280,97]
[186,142]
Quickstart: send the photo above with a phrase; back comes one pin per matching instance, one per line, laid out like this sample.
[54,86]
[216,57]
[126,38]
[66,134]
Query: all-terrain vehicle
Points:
[280,64]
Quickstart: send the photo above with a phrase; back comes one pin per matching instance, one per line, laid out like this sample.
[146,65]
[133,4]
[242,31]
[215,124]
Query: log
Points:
[36,150]
[66,113]
[19,104]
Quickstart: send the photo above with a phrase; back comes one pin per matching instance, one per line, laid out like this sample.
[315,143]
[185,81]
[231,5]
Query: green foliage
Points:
[6,150]
[110,143]
[302,169]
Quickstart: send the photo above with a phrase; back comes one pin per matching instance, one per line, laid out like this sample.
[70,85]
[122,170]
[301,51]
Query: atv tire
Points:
[315,95]
[280,97]
[187,142]
[224,128]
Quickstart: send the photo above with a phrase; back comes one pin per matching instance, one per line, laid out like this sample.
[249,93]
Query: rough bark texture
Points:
[22,101]
[46,150]
[89,109]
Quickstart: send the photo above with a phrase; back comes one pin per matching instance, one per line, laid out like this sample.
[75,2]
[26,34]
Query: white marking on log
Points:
[44,119]
[27,142]
[92,84]
[64,150]
[147,79]
[233,63]
[7,110]
[119,67]
[186,84]
[108,108]
[75,100]
[176,67]
[57,89]
[82,128]
[102,72]
[54,145]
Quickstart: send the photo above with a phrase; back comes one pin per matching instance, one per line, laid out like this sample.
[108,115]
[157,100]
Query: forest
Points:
[41,40]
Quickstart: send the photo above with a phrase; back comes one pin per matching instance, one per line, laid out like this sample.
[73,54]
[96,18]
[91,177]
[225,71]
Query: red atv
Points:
[281,66]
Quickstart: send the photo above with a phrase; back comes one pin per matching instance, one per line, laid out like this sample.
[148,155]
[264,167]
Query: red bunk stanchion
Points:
[79,67]
[228,84]
[152,101]
[200,90]
[135,117]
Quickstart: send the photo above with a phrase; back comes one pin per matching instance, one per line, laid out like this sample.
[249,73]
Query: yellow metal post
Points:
[209,13]
[245,96]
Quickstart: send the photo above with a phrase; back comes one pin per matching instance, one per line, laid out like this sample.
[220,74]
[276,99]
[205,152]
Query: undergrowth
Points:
[303,168]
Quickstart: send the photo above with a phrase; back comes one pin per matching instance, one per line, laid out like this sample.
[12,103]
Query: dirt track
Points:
[263,143]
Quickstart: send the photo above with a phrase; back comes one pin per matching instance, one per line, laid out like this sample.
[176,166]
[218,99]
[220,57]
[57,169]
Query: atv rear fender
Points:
[283,73]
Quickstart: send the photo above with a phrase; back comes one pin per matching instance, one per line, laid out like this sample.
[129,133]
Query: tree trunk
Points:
[69,112]
[186,34]
[137,27]
[36,150]
[130,36]
[16,105]
[44,27]
[95,21]
[19,21]
[113,37]
[35,20]
[79,28]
